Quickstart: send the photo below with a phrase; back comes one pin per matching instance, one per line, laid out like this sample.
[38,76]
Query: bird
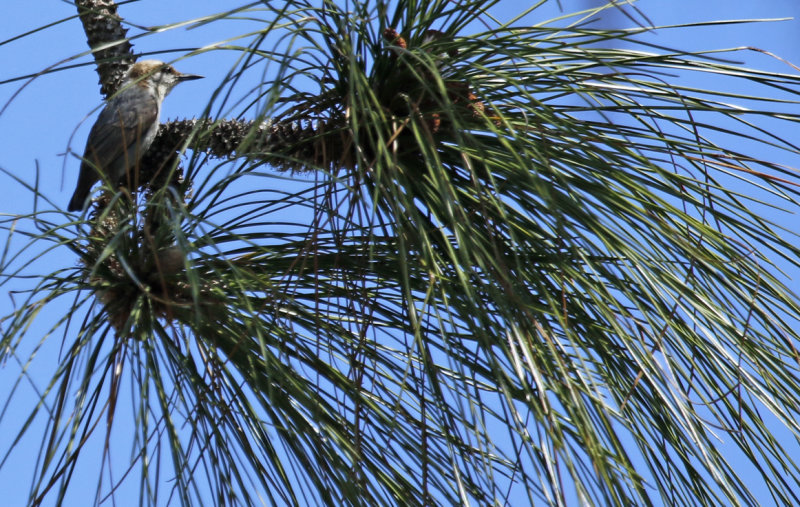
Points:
[126,126]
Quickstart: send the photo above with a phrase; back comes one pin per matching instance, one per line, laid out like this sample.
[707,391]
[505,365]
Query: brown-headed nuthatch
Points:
[126,127]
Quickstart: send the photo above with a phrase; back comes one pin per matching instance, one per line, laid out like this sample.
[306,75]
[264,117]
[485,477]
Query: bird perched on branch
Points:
[126,127]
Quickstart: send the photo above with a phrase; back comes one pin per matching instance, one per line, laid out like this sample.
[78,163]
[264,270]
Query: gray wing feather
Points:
[119,128]
[112,144]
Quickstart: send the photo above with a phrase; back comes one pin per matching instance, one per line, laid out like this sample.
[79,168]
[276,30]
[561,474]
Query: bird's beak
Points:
[189,77]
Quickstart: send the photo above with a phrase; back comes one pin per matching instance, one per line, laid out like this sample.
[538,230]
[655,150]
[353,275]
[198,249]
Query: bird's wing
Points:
[121,124]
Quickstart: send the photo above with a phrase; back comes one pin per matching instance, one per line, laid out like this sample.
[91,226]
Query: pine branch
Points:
[289,145]
[105,34]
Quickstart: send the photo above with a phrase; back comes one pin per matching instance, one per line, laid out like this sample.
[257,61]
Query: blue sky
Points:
[54,112]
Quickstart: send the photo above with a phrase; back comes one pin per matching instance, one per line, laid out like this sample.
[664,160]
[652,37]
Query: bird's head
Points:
[156,75]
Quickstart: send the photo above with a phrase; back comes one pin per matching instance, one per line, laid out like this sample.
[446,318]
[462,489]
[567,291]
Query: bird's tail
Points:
[78,199]
[86,178]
